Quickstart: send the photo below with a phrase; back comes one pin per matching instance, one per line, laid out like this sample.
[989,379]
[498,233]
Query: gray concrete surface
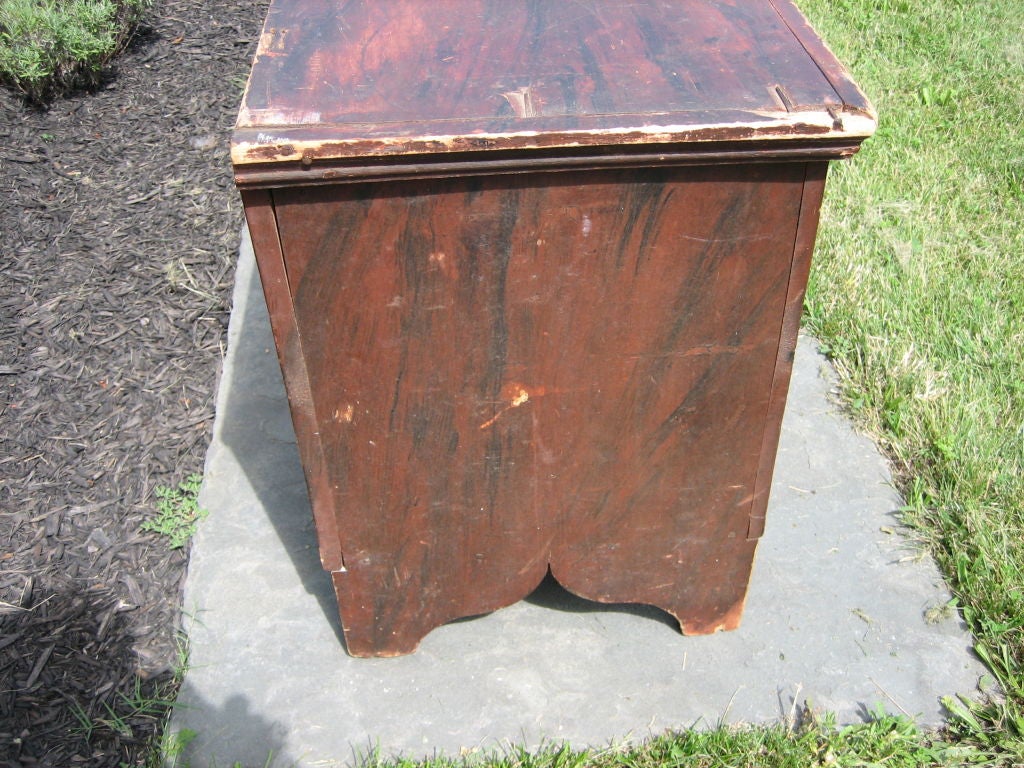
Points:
[835,612]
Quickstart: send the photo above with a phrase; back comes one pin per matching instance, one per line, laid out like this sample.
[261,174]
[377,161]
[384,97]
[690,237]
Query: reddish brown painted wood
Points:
[383,77]
[512,373]
[262,223]
[535,273]
[456,164]
[483,59]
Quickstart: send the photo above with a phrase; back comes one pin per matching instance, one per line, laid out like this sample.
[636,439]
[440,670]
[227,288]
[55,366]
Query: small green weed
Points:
[85,726]
[128,714]
[48,47]
[177,512]
[173,747]
[166,748]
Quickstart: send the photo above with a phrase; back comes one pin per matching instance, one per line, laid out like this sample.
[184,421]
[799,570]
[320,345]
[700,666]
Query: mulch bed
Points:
[119,226]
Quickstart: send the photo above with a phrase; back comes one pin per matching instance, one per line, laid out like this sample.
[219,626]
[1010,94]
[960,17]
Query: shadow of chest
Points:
[535,274]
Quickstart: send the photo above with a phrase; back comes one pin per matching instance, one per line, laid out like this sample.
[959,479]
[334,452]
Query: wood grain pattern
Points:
[270,259]
[535,273]
[351,62]
[512,373]
[336,79]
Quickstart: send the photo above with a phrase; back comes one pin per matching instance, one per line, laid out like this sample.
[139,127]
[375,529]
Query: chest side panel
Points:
[511,372]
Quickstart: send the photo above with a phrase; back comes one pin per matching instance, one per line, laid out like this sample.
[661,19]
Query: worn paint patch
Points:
[447,266]
[339,142]
[523,101]
[516,395]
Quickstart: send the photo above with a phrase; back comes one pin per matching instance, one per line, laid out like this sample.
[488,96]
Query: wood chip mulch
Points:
[119,226]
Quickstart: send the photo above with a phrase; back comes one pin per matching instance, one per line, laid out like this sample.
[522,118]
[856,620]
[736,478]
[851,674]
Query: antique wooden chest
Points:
[535,272]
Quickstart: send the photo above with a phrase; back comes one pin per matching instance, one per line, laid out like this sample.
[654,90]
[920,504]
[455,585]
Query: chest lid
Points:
[346,80]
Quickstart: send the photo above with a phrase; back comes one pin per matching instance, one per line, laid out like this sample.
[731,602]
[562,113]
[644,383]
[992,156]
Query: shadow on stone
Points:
[259,433]
[232,732]
[553,596]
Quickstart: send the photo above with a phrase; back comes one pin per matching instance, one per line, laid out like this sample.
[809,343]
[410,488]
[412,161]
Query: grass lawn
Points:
[918,294]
